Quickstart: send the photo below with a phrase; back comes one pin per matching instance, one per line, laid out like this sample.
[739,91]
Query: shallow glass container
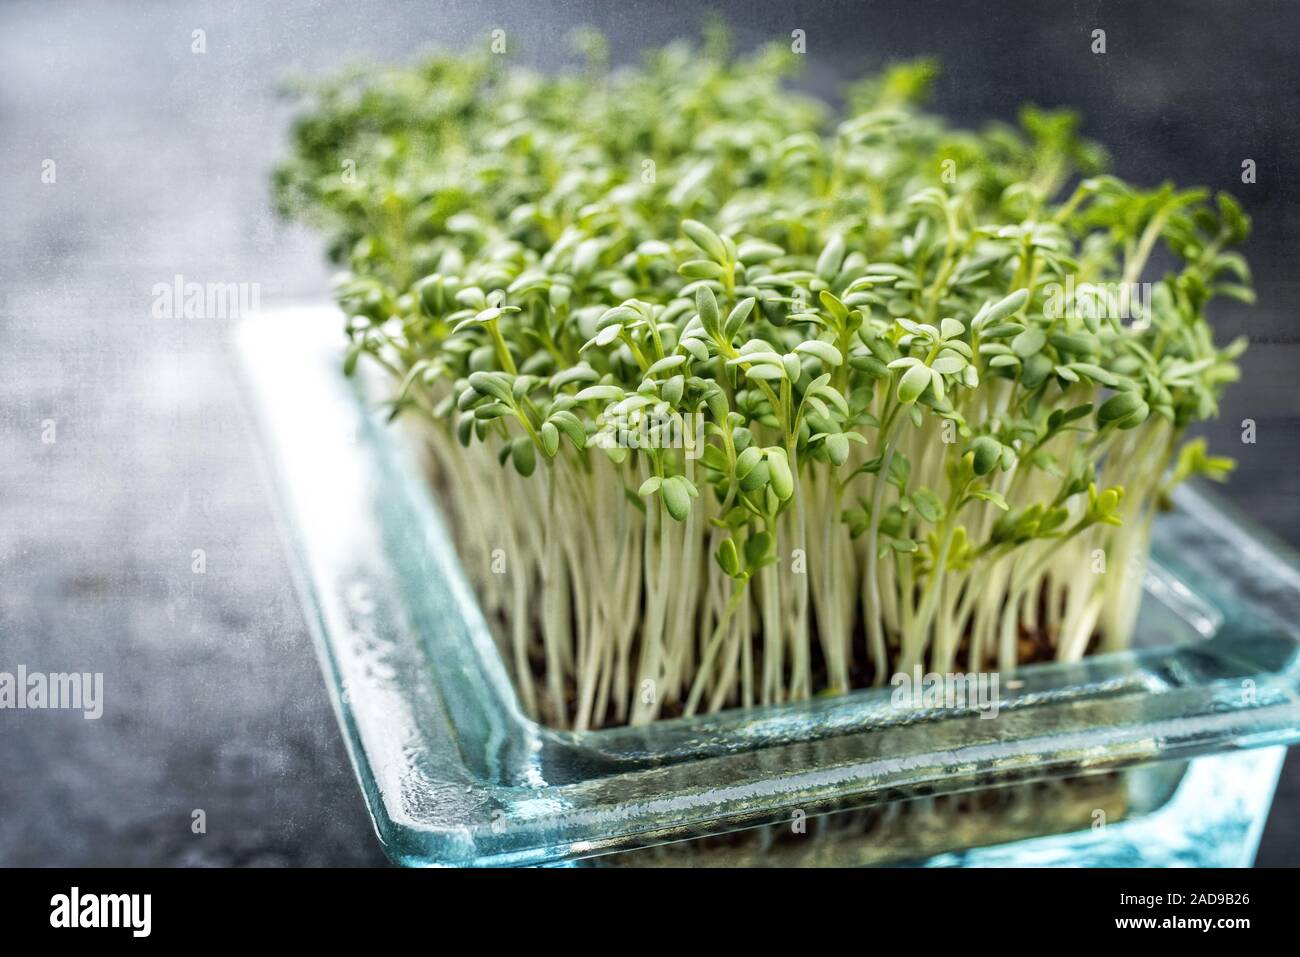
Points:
[1136,758]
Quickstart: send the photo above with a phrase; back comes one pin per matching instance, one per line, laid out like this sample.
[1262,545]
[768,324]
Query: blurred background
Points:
[161,158]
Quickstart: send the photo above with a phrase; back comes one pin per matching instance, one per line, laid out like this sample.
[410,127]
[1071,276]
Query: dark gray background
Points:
[214,700]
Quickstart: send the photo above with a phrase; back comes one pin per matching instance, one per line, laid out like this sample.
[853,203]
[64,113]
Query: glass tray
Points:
[454,773]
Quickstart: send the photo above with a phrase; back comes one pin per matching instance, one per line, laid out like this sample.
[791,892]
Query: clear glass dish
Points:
[454,773]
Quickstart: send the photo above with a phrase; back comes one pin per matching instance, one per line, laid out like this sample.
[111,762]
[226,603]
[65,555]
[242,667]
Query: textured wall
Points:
[214,700]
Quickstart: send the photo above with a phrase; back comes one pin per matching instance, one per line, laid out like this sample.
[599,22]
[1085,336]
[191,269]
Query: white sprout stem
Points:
[668,616]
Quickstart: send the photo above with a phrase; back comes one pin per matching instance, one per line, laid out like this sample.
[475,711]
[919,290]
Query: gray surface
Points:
[214,700]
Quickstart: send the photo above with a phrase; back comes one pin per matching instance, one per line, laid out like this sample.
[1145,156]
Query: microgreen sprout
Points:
[909,452]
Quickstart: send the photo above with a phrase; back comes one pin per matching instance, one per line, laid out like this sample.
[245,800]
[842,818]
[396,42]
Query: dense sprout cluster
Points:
[749,405]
